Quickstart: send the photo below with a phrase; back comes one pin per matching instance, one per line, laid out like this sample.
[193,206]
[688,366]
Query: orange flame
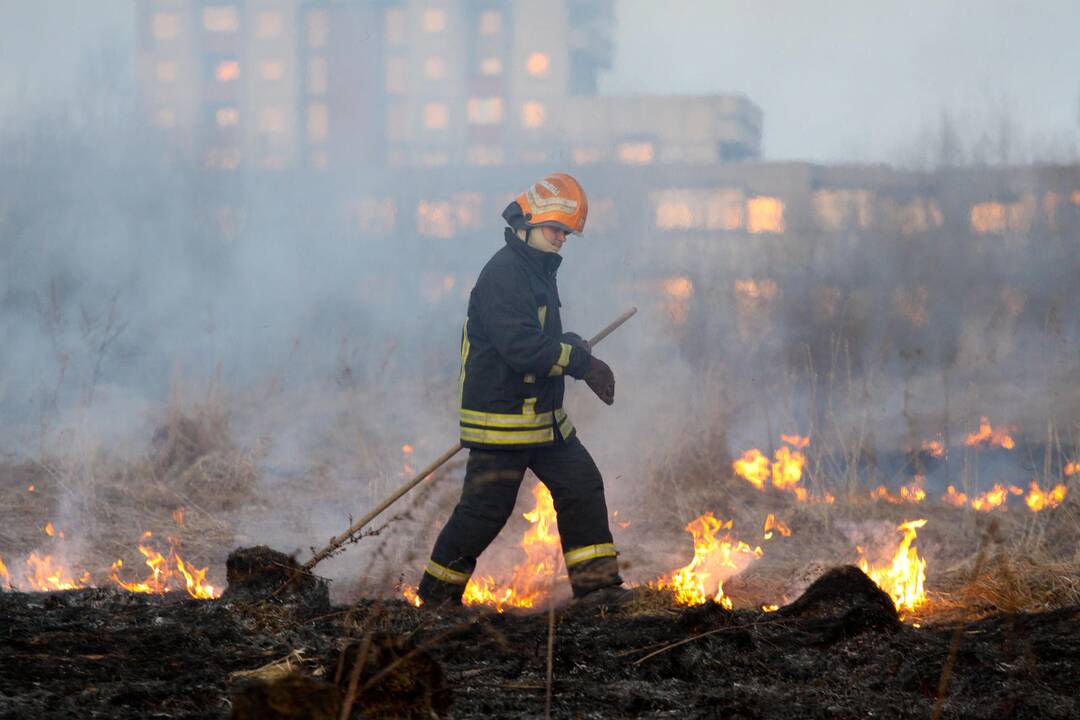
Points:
[4,573]
[178,515]
[714,561]
[994,498]
[1072,469]
[771,523]
[44,575]
[410,595]
[753,467]
[786,469]
[163,578]
[904,578]
[990,437]
[796,441]
[913,492]
[954,498]
[934,448]
[1038,499]
[49,530]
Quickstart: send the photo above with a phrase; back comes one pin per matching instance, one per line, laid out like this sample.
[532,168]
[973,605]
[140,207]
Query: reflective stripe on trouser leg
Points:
[442,584]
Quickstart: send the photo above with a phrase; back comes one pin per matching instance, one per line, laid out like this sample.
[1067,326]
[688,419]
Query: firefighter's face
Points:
[556,237]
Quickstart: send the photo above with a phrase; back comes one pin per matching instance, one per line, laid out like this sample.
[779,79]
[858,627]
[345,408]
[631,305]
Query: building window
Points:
[533,114]
[220,19]
[434,21]
[434,219]
[318,122]
[485,111]
[434,68]
[165,118]
[318,28]
[268,24]
[271,121]
[490,22]
[586,155]
[165,26]
[491,67]
[484,155]
[395,27]
[167,71]
[271,70]
[436,116]
[693,209]
[227,117]
[636,153]
[764,215]
[317,80]
[538,65]
[227,71]
[395,75]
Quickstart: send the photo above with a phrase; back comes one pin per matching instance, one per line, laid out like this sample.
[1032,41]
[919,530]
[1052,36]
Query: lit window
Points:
[395,75]
[434,20]
[436,116]
[988,217]
[764,215]
[227,117]
[220,19]
[586,156]
[538,65]
[468,209]
[166,26]
[318,122]
[318,28]
[272,70]
[317,76]
[533,114]
[268,24]
[1076,197]
[271,120]
[434,68]
[227,71]
[165,119]
[395,26]
[167,71]
[636,153]
[434,219]
[490,22]
[836,210]
[485,111]
[485,155]
[375,215]
[491,66]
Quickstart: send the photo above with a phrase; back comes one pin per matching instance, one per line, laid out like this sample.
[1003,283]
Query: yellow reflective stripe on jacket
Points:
[506,420]
[465,346]
[446,574]
[589,552]
[566,428]
[564,355]
[507,437]
[542,312]
[555,371]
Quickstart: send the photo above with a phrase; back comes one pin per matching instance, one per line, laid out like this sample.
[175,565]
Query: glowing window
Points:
[987,218]
[764,215]
[586,155]
[165,26]
[491,67]
[485,111]
[436,116]
[271,70]
[395,75]
[227,71]
[220,19]
[538,64]
[227,117]
[434,21]
[1076,197]
[165,118]
[167,71]
[533,114]
[318,122]
[318,28]
[268,24]
[435,68]
[490,22]
[836,210]
[317,81]
[636,153]
[375,215]
[435,219]
[395,27]
[271,120]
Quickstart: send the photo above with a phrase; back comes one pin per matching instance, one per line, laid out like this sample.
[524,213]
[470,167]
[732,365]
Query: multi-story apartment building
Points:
[293,83]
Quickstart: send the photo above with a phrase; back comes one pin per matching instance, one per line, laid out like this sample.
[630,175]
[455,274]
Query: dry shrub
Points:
[220,480]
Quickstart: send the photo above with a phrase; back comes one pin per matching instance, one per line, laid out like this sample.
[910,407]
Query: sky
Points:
[838,80]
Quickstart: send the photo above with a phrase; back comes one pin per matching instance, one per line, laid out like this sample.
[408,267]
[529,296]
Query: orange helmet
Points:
[556,200]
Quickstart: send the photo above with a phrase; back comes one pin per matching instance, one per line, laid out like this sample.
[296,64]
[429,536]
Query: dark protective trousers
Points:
[492,480]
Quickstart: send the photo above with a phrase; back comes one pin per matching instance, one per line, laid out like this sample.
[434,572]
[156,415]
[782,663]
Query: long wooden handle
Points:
[450,452]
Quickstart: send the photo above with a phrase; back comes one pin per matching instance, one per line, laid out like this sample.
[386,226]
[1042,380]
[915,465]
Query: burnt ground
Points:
[837,652]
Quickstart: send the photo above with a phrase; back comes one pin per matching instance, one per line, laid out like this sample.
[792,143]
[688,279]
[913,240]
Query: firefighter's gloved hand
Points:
[601,380]
[577,341]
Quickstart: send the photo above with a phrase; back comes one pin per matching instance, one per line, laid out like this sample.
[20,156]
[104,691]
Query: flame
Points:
[410,595]
[903,579]
[995,497]
[990,437]
[769,608]
[786,469]
[178,515]
[1038,498]
[957,499]
[44,575]
[163,578]
[913,492]
[49,530]
[753,467]
[934,448]
[407,448]
[796,441]
[1072,469]
[4,573]
[30,488]
[714,560]
[771,523]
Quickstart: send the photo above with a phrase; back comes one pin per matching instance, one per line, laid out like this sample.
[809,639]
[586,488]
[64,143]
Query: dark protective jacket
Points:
[513,357]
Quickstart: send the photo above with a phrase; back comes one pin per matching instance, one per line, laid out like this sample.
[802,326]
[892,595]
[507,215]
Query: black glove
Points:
[577,341]
[600,380]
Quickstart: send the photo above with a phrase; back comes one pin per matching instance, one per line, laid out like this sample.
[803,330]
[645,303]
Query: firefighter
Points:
[514,361]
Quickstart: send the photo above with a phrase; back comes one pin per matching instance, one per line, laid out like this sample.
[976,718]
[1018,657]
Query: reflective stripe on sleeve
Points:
[566,428]
[564,355]
[589,552]
[506,420]
[555,371]
[445,574]
[507,437]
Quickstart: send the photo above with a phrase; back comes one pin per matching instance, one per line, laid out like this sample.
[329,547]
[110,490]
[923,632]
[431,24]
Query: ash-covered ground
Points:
[837,652]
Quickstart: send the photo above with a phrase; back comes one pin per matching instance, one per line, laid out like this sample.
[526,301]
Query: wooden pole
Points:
[450,452]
